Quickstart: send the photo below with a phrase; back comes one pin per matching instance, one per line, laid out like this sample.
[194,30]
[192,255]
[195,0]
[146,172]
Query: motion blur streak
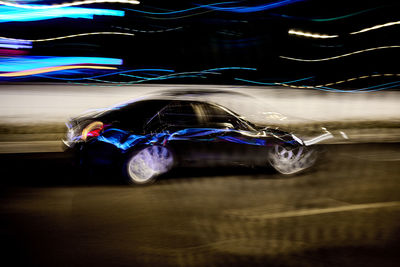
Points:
[13,41]
[179,17]
[255,8]
[17,14]
[196,74]
[344,55]
[72,36]
[160,77]
[377,27]
[275,83]
[152,31]
[310,212]
[157,76]
[311,35]
[287,84]
[109,74]
[12,52]
[52,69]
[12,44]
[230,68]
[180,11]
[35,62]
[361,77]
[318,139]
[191,134]
[361,90]
[332,18]
[77,3]
[325,36]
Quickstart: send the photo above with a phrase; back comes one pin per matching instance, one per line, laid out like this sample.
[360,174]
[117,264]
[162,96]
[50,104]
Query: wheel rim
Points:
[149,163]
[293,160]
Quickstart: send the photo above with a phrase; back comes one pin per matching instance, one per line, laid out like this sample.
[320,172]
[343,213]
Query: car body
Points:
[148,137]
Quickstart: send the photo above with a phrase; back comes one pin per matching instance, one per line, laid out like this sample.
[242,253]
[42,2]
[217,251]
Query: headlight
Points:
[298,139]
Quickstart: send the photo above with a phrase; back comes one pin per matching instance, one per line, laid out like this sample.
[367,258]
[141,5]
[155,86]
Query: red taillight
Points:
[94,133]
[92,130]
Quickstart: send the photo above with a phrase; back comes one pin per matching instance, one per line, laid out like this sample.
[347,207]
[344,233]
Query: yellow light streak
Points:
[77,3]
[51,69]
[342,81]
[340,56]
[377,27]
[311,35]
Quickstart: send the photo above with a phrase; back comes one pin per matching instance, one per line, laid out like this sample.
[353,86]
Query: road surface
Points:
[344,212]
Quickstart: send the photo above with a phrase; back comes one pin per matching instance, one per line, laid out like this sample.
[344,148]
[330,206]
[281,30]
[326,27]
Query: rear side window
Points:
[134,116]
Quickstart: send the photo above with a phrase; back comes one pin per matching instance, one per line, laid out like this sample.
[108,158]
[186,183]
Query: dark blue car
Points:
[149,137]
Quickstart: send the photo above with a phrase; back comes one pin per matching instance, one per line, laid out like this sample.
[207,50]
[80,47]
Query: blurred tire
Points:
[145,165]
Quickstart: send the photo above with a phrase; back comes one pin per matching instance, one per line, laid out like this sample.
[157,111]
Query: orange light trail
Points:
[51,69]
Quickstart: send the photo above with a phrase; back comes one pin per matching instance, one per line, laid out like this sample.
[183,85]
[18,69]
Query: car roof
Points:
[165,100]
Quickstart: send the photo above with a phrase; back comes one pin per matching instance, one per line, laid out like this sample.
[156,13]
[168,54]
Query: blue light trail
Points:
[264,7]
[16,14]
[182,10]
[274,83]
[104,75]
[35,62]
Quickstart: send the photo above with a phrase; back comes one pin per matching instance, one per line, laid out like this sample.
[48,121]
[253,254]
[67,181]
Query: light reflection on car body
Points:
[192,134]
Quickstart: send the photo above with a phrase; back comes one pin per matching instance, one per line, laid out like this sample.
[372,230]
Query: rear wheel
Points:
[145,165]
[291,160]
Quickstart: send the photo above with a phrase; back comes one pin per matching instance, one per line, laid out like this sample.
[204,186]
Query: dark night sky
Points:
[202,39]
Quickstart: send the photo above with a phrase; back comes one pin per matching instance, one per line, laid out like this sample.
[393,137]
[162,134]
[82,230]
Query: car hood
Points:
[306,139]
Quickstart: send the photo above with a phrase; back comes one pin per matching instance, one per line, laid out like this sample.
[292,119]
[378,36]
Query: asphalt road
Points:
[344,212]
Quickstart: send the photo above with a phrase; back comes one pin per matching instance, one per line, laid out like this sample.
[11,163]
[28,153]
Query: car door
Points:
[179,122]
[203,134]
[236,141]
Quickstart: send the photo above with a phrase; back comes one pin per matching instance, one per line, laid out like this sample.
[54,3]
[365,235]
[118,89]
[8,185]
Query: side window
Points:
[214,116]
[174,117]
[179,114]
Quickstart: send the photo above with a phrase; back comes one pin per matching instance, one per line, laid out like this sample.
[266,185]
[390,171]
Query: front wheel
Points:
[145,165]
[291,160]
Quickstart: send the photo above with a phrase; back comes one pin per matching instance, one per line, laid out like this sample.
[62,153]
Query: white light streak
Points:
[377,27]
[344,135]
[318,139]
[340,56]
[71,36]
[297,139]
[311,35]
[326,36]
[77,3]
